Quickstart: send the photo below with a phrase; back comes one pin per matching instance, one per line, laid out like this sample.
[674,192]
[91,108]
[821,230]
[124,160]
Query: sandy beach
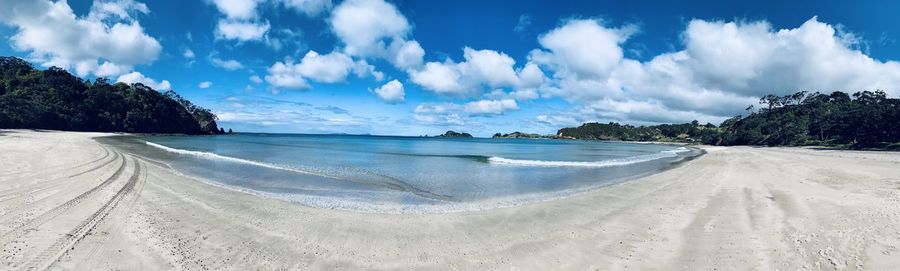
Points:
[68,202]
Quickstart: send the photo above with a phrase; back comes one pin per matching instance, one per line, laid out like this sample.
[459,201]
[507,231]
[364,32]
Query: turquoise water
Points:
[404,174]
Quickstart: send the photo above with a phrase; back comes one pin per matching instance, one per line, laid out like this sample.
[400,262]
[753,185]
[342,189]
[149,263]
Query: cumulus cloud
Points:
[107,42]
[481,69]
[491,107]
[442,78]
[723,67]
[582,48]
[255,79]
[137,77]
[204,84]
[391,92]
[363,25]
[333,67]
[409,55]
[375,28]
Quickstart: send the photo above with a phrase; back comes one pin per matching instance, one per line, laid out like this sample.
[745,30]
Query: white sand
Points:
[67,202]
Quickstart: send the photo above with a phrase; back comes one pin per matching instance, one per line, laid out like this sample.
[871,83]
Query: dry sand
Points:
[67,202]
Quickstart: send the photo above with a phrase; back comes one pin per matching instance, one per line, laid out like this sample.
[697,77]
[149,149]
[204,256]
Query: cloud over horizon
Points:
[411,67]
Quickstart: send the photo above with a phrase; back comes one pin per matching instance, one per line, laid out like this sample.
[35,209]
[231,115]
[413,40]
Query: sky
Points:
[424,67]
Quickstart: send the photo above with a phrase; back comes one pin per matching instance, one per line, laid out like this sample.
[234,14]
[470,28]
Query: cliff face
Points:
[209,127]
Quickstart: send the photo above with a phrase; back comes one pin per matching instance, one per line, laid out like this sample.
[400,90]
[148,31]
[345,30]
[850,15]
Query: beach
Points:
[69,202]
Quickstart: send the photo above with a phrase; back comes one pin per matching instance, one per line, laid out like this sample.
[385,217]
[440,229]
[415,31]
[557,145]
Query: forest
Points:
[863,120]
[56,100]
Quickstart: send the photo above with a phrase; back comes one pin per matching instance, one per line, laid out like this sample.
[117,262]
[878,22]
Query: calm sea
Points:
[403,174]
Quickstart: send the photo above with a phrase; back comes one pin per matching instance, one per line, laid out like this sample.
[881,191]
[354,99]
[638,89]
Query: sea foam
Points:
[590,164]
[213,156]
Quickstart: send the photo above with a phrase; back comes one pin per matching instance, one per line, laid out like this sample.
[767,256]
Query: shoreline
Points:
[735,207]
[363,206]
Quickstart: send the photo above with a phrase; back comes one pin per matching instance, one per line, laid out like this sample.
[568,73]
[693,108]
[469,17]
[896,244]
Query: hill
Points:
[54,99]
[863,120]
[454,134]
[687,132]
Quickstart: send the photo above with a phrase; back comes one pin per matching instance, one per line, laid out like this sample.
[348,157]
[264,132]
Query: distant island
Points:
[454,134]
[54,99]
[863,120]
[518,134]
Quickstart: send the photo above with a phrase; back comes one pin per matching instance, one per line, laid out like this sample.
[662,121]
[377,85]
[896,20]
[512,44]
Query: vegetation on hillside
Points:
[687,132]
[863,120]
[54,99]
[452,134]
[519,135]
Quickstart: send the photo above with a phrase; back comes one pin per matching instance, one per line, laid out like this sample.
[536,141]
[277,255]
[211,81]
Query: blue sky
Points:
[423,67]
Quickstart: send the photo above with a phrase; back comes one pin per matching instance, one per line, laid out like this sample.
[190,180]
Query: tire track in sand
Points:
[52,254]
[59,209]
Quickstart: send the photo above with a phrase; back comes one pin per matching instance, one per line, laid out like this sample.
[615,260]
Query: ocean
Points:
[392,174]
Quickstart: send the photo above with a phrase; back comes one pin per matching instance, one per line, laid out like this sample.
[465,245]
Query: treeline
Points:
[454,134]
[687,132]
[863,120]
[54,99]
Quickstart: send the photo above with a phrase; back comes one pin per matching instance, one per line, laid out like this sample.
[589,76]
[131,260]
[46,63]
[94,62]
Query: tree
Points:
[54,99]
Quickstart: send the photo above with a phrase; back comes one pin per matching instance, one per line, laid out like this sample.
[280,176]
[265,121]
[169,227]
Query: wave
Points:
[590,164]
[387,181]
[213,156]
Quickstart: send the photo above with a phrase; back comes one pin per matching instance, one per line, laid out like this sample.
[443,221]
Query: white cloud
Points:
[453,114]
[364,25]
[531,76]
[237,9]
[376,29]
[442,78]
[330,68]
[333,67]
[481,68]
[445,114]
[310,8]
[723,67]
[116,9]
[106,42]
[285,75]
[582,48]
[391,92]
[242,21]
[137,77]
[255,79]
[491,107]
[241,30]
[204,84]
[491,67]
[228,64]
[409,55]
[188,53]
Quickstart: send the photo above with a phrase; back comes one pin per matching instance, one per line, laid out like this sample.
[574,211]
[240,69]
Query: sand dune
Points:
[67,202]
